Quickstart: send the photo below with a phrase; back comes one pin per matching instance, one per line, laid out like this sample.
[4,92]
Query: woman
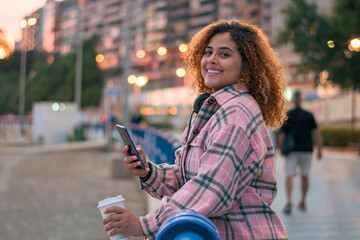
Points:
[225,169]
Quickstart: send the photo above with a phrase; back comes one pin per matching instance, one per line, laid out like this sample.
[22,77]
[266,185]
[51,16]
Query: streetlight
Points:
[161,51]
[138,82]
[24,24]
[180,72]
[140,53]
[354,45]
[183,48]
[79,56]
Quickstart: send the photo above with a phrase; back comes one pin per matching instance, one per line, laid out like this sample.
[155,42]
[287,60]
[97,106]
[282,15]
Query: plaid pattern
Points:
[225,171]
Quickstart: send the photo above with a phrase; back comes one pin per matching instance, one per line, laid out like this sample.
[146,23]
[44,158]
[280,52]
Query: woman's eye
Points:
[224,54]
[208,53]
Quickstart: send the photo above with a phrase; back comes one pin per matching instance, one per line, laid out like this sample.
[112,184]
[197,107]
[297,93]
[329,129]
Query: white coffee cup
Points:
[110,202]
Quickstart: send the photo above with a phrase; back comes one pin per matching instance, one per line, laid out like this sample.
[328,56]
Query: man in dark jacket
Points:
[300,124]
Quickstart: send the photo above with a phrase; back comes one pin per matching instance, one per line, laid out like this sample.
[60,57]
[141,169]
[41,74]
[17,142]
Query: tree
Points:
[4,46]
[50,80]
[323,42]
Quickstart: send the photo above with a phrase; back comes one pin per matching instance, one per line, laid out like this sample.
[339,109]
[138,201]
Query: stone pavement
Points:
[333,200]
[52,194]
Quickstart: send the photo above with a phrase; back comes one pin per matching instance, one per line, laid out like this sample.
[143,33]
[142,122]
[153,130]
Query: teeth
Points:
[213,71]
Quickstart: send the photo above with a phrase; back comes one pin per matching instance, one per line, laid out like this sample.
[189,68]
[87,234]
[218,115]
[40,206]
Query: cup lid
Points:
[110,200]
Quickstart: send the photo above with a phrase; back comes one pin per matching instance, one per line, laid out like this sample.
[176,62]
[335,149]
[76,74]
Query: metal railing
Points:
[159,146]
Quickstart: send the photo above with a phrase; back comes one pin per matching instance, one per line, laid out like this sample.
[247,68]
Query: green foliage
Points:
[340,136]
[50,82]
[78,135]
[309,32]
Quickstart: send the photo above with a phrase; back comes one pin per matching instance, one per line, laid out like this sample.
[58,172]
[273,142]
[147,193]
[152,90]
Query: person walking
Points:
[225,168]
[300,125]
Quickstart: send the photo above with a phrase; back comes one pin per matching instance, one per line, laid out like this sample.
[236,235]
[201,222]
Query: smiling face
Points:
[221,62]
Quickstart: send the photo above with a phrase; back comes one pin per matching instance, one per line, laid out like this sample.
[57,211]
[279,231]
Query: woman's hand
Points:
[132,163]
[122,221]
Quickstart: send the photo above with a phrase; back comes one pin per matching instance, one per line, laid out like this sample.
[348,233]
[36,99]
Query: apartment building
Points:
[154,25]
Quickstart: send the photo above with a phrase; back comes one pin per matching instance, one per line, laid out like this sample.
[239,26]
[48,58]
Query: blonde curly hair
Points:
[261,70]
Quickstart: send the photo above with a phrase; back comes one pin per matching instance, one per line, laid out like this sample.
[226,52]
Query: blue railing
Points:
[159,146]
[186,226]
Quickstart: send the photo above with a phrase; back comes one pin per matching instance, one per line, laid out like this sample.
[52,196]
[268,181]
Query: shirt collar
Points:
[228,92]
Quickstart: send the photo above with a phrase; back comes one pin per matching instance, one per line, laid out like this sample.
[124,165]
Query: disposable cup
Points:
[110,202]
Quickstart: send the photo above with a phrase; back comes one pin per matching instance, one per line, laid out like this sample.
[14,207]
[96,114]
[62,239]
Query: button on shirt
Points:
[224,171]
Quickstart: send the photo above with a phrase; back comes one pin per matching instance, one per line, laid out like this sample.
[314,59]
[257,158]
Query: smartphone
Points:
[127,141]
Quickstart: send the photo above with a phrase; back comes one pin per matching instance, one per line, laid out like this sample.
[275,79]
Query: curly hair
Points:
[261,70]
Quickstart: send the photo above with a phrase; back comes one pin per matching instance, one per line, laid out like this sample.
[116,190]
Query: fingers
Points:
[126,151]
[117,220]
[132,163]
[114,209]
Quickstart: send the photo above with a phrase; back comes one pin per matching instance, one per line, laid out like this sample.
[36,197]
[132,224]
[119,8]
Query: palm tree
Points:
[4,46]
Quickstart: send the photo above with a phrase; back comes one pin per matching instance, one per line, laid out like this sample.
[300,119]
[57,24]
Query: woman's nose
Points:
[212,59]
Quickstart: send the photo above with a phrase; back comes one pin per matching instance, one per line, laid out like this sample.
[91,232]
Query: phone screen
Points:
[127,141]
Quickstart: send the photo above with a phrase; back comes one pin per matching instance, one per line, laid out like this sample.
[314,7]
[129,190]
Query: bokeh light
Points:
[331,44]
[354,45]
[131,79]
[161,51]
[55,107]
[141,81]
[99,58]
[180,72]
[140,54]
[183,47]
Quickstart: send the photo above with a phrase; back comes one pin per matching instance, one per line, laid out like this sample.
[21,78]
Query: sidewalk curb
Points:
[71,146]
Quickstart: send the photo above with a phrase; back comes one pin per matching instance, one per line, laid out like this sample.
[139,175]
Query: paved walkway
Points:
[52,195]
[333,208]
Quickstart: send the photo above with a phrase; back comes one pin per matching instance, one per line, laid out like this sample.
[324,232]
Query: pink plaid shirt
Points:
[225,171]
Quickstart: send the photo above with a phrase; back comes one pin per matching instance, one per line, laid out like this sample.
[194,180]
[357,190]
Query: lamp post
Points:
[354,46]
[24,24]
[126,63]
[79,57]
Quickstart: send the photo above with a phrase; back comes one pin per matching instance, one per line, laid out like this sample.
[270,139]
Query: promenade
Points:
[333,200]
[52,194]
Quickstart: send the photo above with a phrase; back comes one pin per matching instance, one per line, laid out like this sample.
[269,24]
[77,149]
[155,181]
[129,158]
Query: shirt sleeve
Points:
[226,169]
[164,180]
[313,122]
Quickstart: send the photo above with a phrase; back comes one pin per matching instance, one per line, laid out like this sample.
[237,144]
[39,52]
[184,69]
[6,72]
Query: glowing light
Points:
[183,47]
[147,111]
[62,107]
[180,72]
[173,111]
[2,53]
[140,54]
[23,23]
[55,107]
[161,51]
[288,94]
[31,21]
[99,58]
[131,79]
[354,45]
[331,44]
[141,81]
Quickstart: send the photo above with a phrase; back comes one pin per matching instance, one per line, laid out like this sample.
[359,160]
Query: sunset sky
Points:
[11,12]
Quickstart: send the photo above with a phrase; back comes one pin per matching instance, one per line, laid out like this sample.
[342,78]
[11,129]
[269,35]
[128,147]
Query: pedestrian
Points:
[225,168]
[299,125]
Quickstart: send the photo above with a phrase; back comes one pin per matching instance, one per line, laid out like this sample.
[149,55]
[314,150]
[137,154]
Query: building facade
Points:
[156,29]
